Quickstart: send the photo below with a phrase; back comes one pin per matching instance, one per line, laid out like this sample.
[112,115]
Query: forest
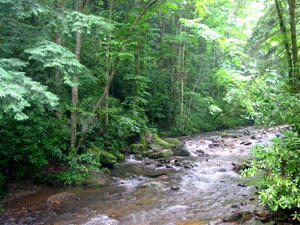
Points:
[83,81]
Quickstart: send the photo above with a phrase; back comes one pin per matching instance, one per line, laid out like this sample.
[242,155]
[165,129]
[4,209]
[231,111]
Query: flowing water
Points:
[200,189]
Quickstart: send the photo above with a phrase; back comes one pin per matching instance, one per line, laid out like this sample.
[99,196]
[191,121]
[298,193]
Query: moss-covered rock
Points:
[161,154]
[146,153]
[106,158]
[138,148]
[162,143]
[175,141]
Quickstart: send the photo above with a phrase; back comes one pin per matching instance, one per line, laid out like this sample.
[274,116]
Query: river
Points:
[196,190]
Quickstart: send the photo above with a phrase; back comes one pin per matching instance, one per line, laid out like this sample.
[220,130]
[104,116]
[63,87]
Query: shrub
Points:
[279,163]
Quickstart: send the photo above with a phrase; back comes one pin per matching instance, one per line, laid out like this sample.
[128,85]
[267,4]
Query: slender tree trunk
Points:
[292,8]
[90,121]
[137,71]
[58,40]
[108,65]
[190,105]
[74,112]
[58,79]
[182,85]
[285,38]
[177,76]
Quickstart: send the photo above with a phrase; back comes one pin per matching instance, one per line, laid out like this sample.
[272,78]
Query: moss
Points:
[106,158]
[146,153]
[174,141]
[162,154]
[142,140]
[162,143]
[138,148]
[118,155]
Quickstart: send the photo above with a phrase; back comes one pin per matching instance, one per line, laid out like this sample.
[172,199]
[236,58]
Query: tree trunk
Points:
[285,38]
[190,105]
[182,85]
[292,8]
[108,65]
[137,71]
[58,40]
[74,112]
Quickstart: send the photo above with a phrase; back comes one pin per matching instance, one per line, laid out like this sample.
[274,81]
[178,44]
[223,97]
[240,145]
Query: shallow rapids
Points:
[200,189]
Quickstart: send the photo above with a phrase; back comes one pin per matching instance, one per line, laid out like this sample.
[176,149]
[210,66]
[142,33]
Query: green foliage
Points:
[279,164]
[52,55]
[18,92]
[30,143]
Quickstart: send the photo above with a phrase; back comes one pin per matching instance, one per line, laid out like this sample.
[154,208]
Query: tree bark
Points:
[108,65]
[182,85]
[190,105]
[292,8]
[285,38]
[74,112]
[89,123]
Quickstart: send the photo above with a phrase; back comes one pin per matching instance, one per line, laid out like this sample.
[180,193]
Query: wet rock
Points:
[188,166]
[181,152]
[163,143]
[155,174]
[248,143]
[222,170]
[200,152]
[59,198]
[224,135]
[163,177]
[161,154]
[233,136]
[152,185]
[234,206]
[263,216]
[175,141]
[178,164]
[169,167]
[253,137]
[139,157]
[237,168]
[242,185]
[239,217]
[174,188]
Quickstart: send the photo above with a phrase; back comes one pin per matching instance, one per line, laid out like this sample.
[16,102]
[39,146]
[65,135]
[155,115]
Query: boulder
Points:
[240,217]
[152,185]
[161,154]
[160,142]
[181,152]
[138,148]
[105,158]
[175,141]
[59,198]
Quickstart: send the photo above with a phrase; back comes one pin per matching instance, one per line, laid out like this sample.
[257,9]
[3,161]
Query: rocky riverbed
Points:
[202,188]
